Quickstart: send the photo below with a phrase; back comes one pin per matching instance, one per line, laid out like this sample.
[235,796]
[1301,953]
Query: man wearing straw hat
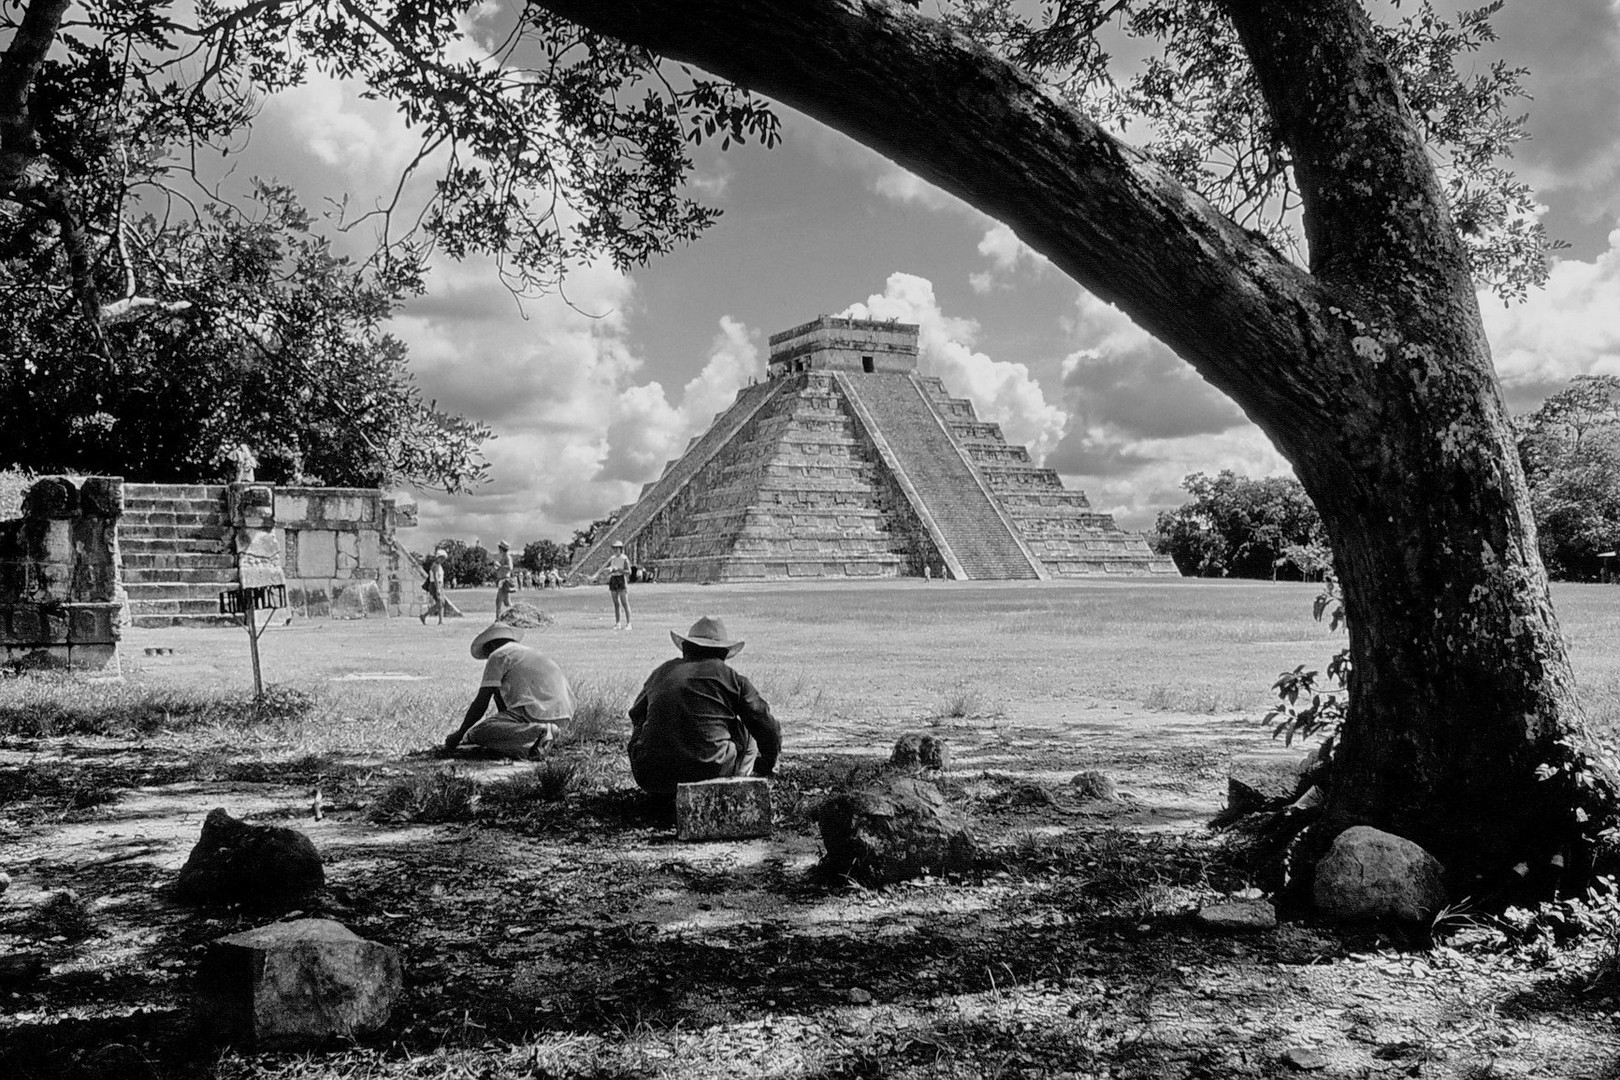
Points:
[529,691]
[698,719]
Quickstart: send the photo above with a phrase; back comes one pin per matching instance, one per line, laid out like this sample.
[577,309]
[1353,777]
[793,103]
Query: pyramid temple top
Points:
[827,343]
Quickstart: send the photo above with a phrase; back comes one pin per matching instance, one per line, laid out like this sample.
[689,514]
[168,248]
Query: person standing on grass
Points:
[698,719]
[434,585]
[618,572]
[505,571]
[529,691]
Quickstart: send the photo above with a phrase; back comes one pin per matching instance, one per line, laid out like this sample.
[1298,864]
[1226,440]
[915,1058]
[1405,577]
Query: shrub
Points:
[427,798]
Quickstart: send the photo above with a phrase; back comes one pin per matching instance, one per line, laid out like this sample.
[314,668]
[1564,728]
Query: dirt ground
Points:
[578,937]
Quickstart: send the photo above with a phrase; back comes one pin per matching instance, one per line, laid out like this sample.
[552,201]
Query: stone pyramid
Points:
[847,463]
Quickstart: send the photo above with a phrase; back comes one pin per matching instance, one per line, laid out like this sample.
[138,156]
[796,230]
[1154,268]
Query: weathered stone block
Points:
[291,509]
[102,496]
[317,553]
[733,808]
[348,552]
[51,497]
[237,863]
[1261,782]
[298,983]
[894,830]
[94,624]
[1238,916]
[356,599]
[95,656]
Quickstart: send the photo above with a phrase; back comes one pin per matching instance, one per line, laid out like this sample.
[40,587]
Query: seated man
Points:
[530,693]
[697,719]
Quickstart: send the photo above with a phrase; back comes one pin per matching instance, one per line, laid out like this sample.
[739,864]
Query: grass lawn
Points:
[551,927]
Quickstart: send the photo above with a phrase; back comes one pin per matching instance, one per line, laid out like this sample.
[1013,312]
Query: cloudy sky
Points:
[589,396]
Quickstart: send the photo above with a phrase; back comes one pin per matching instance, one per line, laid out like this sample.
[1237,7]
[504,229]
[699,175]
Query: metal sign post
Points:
[245,602]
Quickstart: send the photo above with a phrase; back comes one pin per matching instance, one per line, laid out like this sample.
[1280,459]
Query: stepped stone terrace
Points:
[846,462]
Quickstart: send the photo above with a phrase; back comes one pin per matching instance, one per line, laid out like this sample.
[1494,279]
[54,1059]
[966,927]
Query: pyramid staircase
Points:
[174,544]
[973,534]
[847,463]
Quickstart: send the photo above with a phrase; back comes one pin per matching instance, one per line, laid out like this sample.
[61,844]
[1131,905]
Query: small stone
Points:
[1304,1058]
[5,882]
[297,983]
[857,996]
[1370,874]
[919,750]
[237,863]
[1238,916]
[1092,784]
[731,808]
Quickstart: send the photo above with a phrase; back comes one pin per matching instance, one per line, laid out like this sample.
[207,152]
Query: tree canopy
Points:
[1238,526]
[1570,448]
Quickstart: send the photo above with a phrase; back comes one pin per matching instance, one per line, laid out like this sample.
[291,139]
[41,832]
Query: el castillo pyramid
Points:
[847,463]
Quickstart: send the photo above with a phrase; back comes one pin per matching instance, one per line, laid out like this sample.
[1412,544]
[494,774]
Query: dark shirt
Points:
[688,720]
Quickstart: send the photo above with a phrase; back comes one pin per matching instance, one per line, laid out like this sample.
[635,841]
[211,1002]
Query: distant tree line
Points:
[1238,526]
[473,565]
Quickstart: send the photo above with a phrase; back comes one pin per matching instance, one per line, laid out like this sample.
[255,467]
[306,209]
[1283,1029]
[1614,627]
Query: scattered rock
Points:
[857,996]
[297,983]
[1238,916]
[1304,1058]
[238,863]
[1261,782]
[1028,794]
[1370,874]
[5,882]
[1310,800]
[919,750]
[892,830]
[1092,784]
[733,808]
[526,615]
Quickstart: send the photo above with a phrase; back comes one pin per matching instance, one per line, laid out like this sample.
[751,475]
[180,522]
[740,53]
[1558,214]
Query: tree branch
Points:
[18,66]
[988,132]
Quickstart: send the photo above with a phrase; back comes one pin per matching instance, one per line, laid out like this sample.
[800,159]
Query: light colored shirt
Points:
[503,566]
[531,684]
[619,563]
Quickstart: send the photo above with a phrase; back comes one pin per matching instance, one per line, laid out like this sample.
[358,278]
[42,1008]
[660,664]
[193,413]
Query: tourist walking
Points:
[618,572]
[434,585]
[505,571]
[698,719]
[529,691]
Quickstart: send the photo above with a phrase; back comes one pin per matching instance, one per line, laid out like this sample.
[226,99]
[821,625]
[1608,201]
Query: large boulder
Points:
[238,863]
[892,830]
[297,983]
[1370,874]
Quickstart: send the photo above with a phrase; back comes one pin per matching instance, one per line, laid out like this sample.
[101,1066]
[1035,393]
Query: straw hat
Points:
[504,546]
[618,543]
[441,554]
[709,633]
[495,635]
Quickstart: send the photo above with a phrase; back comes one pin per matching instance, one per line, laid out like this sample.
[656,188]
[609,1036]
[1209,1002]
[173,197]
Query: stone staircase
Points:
[963,512]
[677,475]
[174,544]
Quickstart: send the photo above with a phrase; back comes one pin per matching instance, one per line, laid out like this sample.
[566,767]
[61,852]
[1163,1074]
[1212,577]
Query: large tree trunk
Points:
[1371,372]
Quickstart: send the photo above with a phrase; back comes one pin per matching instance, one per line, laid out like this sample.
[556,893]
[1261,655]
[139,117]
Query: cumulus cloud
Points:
[1007,254]
[1000,391]
[1565,329]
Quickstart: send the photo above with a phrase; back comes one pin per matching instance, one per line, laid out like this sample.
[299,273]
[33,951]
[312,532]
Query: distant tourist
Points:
[505,572]
[618,572]
[697,718]
[529,691]
[434,585]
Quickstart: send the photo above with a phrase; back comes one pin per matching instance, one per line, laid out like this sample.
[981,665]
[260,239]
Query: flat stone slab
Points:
[297,983]
[732,808]
[1238,916]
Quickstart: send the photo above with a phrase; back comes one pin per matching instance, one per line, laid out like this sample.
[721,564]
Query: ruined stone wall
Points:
[337,550]
[62,601]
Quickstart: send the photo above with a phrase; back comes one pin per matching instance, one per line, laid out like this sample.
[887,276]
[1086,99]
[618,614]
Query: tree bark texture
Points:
[1370,371]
